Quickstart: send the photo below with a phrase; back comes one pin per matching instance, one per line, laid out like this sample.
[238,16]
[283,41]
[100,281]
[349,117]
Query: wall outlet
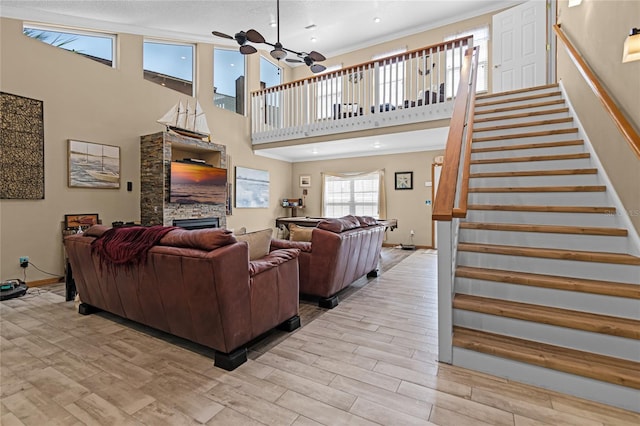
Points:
[24,261]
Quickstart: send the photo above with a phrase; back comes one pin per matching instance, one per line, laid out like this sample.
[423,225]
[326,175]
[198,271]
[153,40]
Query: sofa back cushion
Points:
[300,233]
[338,225]
[203,239]
[258,241]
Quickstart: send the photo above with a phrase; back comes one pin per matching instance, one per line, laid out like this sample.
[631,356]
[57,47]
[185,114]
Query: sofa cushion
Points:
[202,239]
[338,225]
[258,241]
[275,258]
[300,233]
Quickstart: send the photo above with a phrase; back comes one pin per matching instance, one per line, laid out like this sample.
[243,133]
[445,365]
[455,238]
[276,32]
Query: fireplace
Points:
[199,223]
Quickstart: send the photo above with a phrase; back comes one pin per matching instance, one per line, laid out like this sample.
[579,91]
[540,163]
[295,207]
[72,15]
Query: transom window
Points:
[351,193]
[169,64]
[92,45]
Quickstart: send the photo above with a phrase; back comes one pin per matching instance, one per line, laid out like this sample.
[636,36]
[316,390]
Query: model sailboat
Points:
[187,121]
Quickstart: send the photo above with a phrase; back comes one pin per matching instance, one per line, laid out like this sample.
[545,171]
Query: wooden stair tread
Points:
[521,115]
[513,92]
[543,209]
[517,99]
[551,253]
[557,172]
[606,288]
[516,107]
[600,367]
[574,188]
[526,135]
[586,321]
[528,146]
[552,229]
[532,158]
[527,124]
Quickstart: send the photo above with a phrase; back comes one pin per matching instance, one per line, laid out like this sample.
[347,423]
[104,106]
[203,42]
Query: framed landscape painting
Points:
[252,188]
[93,165]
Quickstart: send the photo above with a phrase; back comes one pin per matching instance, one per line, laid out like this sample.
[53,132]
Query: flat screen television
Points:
[193,183]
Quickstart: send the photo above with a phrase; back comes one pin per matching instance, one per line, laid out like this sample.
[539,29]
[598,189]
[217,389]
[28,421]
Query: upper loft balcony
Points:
[413,87]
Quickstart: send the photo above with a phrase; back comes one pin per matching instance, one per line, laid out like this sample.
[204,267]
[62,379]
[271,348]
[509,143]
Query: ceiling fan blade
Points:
[316,68]
[293,60]
[219,34]
[254,36]
[247,49]
[317,57]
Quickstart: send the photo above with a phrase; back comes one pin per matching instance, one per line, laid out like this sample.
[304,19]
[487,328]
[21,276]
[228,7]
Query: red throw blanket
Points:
[127,246]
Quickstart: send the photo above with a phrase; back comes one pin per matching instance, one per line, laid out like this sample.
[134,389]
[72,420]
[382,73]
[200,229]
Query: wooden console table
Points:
[390,224]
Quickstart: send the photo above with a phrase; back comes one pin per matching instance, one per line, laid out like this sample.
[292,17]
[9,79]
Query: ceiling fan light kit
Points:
[279,52]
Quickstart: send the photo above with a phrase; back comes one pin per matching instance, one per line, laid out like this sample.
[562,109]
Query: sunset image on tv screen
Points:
[194,183]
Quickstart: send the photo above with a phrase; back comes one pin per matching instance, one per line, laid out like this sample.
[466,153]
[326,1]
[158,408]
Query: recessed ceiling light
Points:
[273,24]
[313,39]
[376,19]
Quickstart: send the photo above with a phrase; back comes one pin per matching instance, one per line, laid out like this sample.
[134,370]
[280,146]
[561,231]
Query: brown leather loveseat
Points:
[196,284]
[340,251]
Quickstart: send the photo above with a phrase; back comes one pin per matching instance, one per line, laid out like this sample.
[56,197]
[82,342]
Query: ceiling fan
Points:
[279,52]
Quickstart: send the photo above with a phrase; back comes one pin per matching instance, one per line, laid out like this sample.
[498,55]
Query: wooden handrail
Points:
[358,67]
[445,201]
[461,211]
[625,127]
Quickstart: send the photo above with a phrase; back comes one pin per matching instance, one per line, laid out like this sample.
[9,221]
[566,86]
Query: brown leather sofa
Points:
[196,284]
[340,251]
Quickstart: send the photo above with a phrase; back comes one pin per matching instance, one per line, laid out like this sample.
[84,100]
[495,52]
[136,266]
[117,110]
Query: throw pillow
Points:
[300,233]
[339,225]
[258,241]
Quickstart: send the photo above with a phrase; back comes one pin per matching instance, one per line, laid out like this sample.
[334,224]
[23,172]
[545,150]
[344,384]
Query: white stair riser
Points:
[510,104]
[572,300]
[569,268]
[526,152]
[517,120]
[518,111]
[543,218]
[505,95]
[527,139]
[548,240]
[540,198]
[527,129]
[576,163]
[603,344]
[606,393]
[546,180]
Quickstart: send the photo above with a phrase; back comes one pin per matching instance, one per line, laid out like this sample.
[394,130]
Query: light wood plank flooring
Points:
[371,360]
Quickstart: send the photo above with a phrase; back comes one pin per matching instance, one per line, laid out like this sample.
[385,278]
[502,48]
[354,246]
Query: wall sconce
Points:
[631,51]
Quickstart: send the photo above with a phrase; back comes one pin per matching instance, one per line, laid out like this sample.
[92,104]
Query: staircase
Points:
[547,284]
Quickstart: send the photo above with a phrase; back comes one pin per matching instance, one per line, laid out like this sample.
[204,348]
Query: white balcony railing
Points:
[414,86]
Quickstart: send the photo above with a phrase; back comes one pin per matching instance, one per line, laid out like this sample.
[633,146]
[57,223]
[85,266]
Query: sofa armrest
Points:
[304,246]
[273,259]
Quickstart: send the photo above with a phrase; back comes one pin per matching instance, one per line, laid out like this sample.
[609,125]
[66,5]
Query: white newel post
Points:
[445,291]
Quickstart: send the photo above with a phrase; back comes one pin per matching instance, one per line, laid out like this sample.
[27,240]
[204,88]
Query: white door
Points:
[519,47]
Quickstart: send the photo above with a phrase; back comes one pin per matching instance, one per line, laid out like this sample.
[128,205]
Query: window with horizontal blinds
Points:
[357,194]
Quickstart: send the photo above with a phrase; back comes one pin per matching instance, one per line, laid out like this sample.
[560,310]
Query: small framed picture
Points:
[404,180]
[305,181]
[84,220]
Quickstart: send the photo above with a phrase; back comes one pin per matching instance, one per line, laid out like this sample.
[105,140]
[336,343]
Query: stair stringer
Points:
[621,211]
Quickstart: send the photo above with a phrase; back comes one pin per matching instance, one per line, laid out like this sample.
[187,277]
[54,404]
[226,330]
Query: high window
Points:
[454,59]
[169,64]
[360,194]
[96,46]
[229,84]
[270,73]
